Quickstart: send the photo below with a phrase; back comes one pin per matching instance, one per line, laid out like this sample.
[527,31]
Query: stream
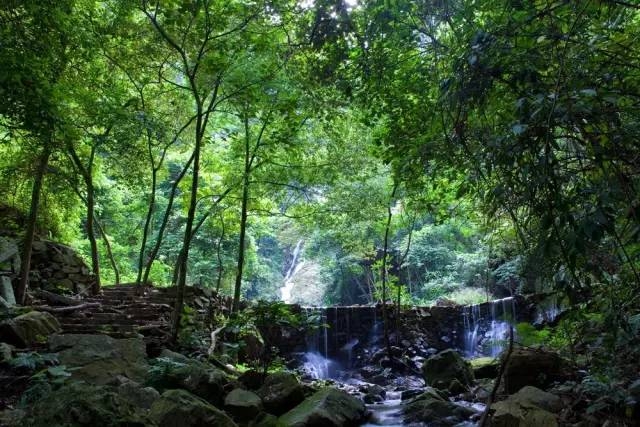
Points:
[346,347]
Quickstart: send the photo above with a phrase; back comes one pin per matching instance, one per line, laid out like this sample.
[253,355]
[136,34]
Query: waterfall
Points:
[486,327]
[316,358]
[294,267]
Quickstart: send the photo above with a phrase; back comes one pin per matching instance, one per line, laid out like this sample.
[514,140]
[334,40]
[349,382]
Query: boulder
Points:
[6,290]
[281,392]
[514,413]
[28,329]
[179,408]
[534,367]
[174,370]
[9,255]
[542,399]
[485,367]
[328,407]
[442,368]
[252,379]
[142,397]
[6,352]
[431,409]
[244,405]
[81,404]
[98,359]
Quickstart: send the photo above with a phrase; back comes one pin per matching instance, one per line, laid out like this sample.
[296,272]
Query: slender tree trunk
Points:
[383,274]
[219,256]
[165,220]
[27,245]
[243,221]
[183,259]
[107,244]
[147,225]
[95,260]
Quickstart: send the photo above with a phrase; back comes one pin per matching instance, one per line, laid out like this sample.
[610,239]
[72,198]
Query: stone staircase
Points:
[126,310]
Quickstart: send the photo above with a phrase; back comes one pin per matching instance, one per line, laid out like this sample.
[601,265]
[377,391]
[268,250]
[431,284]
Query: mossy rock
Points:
[442,368]
[485,367]
[179,408]
[28,329]
[280,392]
[80,404]
[328,407]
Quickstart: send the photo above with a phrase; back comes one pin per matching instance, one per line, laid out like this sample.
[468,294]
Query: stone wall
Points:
[355,329]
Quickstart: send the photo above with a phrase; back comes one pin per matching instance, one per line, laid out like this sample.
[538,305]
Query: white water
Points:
[486,334]
[387,413]
[294,267]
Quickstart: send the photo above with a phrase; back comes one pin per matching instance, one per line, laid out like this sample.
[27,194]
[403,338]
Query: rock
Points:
[6,290]
[281,392]
[178,408]
[6,352]
[80,404]
[542,399]
[266,420]
[100,358]
[456,387]
[199,378]
[142,397]
[442,368]
[431,409]
[512,413]
[485,367]
[244,405]
[27,329]
[252,379]
[9,255]
[534,367]
[328,407]
[634,389]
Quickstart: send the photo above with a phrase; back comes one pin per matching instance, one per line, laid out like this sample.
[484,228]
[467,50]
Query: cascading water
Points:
[294,267]
[486,327]
[316,361]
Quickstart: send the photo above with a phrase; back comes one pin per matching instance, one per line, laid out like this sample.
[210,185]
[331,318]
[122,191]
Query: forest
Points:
[320,201]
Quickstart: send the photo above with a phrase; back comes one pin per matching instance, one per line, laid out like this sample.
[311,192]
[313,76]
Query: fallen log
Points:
[55,298]
[65,309]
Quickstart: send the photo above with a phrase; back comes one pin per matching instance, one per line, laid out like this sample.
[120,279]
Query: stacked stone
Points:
[56,267]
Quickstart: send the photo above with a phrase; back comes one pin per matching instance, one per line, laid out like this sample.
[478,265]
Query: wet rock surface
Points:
[328,407]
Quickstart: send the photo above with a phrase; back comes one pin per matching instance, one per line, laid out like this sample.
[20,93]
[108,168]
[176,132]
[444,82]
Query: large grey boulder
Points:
[514,413]
[442,368]
[280,392]
[542,399]
[527,366]
[328,407]
[9,255]
[432,409]
[30,328]
[98,359]
[179,408]
[244,405]
[81,404]
[6,290]
[174,370]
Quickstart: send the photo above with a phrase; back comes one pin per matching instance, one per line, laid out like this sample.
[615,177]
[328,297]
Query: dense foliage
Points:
[405,150]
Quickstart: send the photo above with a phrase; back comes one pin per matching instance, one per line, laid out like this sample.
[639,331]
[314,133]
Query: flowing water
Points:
[294,267]
[486,327]
[387,413]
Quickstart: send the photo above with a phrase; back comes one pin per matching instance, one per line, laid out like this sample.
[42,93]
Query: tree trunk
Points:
[165,220]
[25,267]
[243,222]
[383,274]
[147,225]
[107,244]
[183,259]
[95,259]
